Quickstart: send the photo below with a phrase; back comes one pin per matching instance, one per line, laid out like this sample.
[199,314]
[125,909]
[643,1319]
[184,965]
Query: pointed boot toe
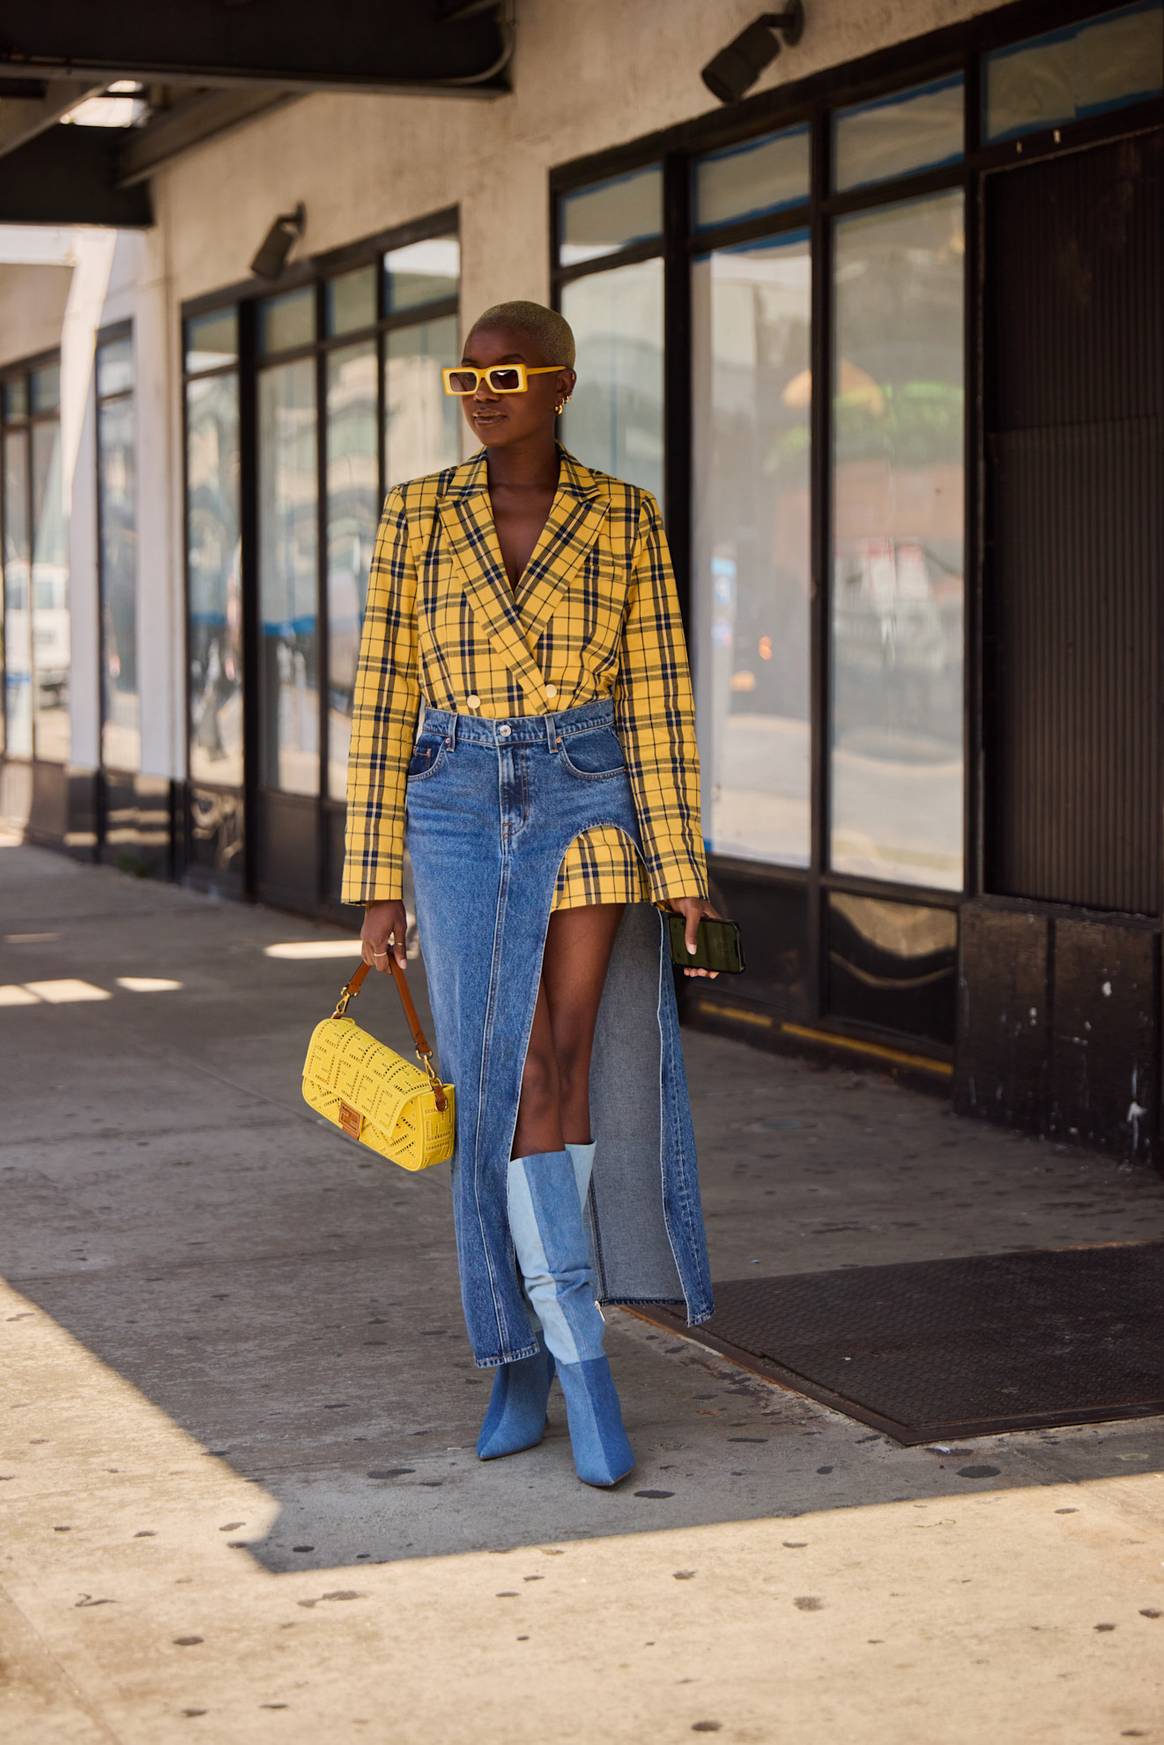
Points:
[598,1439]
[516,1415]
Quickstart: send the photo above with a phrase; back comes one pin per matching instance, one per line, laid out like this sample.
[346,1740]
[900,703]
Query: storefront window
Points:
[422,424]
[50,592]
[892,965]
[211,340]
[751,397]
[17,603]
[117,522]
[892,136]
[288,579]
[45,388]
[214,585]
[614,214]
[287,321]
[15,398]
[422,432]
[615,417]
[753,178]
[1081,69]
[352,507]
[896,765]
[422,272]
[349,301]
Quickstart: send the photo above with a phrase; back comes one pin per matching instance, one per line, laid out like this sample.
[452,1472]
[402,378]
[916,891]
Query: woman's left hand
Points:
[693,910]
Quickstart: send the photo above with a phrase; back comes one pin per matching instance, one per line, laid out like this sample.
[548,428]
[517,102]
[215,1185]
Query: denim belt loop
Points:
[551,731]
[451,731]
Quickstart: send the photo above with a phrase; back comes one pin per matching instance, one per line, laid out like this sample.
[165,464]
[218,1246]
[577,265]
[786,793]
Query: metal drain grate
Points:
[947,1348]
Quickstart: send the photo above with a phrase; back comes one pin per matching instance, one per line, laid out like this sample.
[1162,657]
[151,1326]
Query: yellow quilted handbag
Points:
[373,1094]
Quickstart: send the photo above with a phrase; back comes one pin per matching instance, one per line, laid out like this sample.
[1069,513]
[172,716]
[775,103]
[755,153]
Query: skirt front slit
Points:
[503,827]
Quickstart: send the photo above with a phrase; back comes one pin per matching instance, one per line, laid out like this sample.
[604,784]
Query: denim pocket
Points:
[593,754]
[428,755]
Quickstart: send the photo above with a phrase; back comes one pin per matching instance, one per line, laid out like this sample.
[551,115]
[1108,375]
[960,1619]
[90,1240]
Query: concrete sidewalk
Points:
[234,1359]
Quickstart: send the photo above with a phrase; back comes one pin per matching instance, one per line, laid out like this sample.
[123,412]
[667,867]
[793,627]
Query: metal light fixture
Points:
[278,242]
[736,68]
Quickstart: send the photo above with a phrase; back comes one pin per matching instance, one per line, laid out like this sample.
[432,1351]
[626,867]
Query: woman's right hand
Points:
[383,922]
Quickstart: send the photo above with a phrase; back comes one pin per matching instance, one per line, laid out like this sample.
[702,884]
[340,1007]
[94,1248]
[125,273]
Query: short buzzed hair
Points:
[551,334]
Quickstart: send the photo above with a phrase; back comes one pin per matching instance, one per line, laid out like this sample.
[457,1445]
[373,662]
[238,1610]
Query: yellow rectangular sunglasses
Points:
[502,378]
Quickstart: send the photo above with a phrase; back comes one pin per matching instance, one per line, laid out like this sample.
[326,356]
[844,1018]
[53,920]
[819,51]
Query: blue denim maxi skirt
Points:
[491,807]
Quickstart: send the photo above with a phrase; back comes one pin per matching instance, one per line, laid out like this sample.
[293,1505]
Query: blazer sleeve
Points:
[655,717]
[384,714]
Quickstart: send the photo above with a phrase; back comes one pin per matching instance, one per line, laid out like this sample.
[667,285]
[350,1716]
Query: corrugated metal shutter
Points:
[1074,556]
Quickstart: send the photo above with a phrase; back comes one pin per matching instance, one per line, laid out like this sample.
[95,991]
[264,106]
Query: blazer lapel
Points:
[513,621]
[467,519]
[576,516]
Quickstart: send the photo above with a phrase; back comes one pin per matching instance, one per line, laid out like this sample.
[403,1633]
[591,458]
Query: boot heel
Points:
[602,1450]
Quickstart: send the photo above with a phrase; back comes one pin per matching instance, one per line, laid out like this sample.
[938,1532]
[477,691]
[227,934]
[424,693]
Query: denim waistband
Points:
[519,729]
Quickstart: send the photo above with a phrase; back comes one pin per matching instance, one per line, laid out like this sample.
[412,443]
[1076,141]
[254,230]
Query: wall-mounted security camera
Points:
[278,243]
[736,68]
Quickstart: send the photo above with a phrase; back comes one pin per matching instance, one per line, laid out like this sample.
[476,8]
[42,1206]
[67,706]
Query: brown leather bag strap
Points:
[348,993]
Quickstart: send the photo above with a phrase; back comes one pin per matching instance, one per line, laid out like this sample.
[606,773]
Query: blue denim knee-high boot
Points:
[549,1234]
[516,1416]
[517,1407]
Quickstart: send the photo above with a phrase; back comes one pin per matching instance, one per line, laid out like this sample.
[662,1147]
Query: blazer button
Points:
[551,690]
[473,700]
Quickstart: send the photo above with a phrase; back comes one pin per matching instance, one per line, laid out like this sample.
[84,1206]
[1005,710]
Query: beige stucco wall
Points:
[32,308]
[585,78]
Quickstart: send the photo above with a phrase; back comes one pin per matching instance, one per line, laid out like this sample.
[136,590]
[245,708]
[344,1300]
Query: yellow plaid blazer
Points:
[595,614]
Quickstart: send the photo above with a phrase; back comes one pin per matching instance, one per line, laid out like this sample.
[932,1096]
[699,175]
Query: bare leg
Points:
[555,1087]
[574,973]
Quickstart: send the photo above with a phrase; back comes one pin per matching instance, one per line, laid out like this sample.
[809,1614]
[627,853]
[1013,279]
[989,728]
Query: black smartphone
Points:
[717,944]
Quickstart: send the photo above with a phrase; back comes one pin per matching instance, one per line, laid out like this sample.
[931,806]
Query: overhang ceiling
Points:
[197,69]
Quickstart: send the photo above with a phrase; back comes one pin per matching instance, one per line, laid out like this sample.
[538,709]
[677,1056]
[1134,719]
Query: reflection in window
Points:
[117,519]
[615,417]
[289,639]
[17,605]
[422,428]
[752,177]
[45,384]
[211,340]
[287,320]
[115,367]
[1081,69]
[910,130]
[422,423]
[607,216]
[752,399]
[214,556]
[15,397]
[897,585]
[352,504]
[421,272]
[50,597]
[349,301]
[892,964]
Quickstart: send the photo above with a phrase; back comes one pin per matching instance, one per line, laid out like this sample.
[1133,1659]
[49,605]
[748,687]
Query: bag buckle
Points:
[438,1087]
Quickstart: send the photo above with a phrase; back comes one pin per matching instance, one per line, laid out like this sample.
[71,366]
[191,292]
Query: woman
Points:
[551,810]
